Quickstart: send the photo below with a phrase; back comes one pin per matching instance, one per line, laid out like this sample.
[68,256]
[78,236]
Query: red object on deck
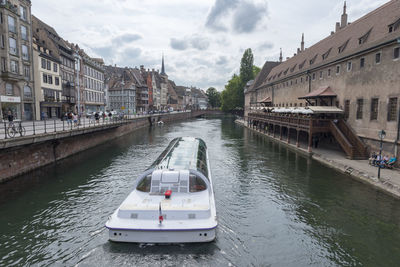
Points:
[161,218]
[168,193]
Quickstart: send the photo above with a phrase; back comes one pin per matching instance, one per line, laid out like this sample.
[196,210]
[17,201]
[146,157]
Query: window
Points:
[1,17]
[13,46]
[362,63]
[2,42]
[396,53]
[313,76]
[50,79]
[337,69]
[329,72]
[23,13]
[11,24]
[57,81]
[320,75]
[43,63]
[392,109]
[27,72]
[349,65]
[25,53]
[14,66]
[374,108]
[45,78]
[3,64]
[378,58]
[27,91]
[360,104]
[9,89]
[55,67]
[24,33]
[48,65]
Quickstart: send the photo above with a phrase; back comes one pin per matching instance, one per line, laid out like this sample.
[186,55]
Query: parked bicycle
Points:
[13,129]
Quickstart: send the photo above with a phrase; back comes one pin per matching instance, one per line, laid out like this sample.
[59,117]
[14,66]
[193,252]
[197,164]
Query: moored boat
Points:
[173,201]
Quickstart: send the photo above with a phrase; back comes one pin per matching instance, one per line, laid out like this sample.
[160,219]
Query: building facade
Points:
[16,82]
[360,65]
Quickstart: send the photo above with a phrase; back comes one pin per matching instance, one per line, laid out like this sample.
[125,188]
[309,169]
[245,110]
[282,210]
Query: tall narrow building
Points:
[16,80]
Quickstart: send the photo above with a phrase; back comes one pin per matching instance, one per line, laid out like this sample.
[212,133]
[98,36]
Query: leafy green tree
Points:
[214,97]
[246,66]
[256,70]
[230,97]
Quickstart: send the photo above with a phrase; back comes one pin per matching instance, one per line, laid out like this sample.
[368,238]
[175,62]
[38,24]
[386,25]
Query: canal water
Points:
[275,207]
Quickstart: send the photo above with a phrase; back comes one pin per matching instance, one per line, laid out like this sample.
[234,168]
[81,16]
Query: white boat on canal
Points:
[173,201]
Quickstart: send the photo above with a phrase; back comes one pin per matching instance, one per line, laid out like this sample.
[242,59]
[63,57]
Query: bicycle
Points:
[12,130]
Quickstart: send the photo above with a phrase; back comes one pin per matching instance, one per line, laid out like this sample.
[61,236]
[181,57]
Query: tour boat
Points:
[173,200]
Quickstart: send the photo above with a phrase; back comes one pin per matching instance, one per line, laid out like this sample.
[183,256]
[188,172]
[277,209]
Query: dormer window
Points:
[293,68]
[285,72]
[394,26]
[326,54]
[343,46]
[313,59]
[302,65]
[364,38]
[279,75]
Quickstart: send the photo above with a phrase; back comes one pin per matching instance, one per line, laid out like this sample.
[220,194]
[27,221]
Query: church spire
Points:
[280,56]
[343,21]
[162,66]
[302,42]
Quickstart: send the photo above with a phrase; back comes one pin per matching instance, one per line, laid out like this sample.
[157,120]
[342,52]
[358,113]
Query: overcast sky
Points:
[202,40]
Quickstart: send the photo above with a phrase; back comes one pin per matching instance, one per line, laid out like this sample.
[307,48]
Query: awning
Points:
[325,91]
[266,100]
[325,109]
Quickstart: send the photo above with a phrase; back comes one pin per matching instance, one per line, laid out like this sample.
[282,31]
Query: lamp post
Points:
[381,135]
[77,84]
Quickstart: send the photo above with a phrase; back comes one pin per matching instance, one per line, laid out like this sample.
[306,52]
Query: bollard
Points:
[5,130]
[55,127]
[45,130]
[34,130]
[63,125]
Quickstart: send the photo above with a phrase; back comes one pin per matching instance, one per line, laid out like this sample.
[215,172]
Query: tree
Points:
[256,70]
[246,67]
[214,97]
[230,97]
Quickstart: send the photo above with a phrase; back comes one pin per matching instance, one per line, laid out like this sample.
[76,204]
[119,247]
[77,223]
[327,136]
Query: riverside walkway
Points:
[57,125]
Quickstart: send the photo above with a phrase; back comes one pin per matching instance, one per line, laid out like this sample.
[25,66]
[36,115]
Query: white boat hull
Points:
[162,236]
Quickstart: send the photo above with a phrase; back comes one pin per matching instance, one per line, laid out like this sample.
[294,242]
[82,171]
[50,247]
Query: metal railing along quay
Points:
[17,128]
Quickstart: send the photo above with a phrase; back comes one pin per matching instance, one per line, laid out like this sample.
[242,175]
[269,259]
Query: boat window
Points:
[144,184]
[196,184]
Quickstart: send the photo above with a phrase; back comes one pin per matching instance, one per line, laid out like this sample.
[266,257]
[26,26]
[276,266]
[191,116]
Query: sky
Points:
[202,40]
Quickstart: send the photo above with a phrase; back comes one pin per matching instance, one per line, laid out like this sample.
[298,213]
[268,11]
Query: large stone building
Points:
[91,82]
[16,81]
[356,68]
[122,86]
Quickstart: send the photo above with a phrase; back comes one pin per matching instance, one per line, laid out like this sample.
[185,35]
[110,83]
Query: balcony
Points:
[11,76]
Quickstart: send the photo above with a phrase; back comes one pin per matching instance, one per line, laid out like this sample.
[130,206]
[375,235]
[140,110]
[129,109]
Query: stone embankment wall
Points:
[25,154]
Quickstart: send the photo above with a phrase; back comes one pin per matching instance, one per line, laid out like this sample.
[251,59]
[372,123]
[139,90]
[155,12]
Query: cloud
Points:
[179,44]
[266,46]
[200,43]
[220,8]
[247,16]
[126,38]
[222,60]
[195,41]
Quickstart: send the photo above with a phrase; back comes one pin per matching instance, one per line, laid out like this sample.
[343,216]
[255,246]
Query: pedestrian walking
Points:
[97,117]
[75,118]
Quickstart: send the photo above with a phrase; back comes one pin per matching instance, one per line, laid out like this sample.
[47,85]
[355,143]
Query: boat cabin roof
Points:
[184,153]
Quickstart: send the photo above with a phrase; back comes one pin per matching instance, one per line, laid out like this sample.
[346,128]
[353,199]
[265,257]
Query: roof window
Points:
[326,54]
[302,64]
[343,46]
[285,72]
[394,26]
[364,38]
[313,59]
[293,68]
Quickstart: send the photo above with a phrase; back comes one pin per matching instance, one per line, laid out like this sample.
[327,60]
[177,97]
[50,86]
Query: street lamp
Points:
[382,136]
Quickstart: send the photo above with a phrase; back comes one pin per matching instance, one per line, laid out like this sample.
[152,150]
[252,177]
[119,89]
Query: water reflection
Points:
[275,207]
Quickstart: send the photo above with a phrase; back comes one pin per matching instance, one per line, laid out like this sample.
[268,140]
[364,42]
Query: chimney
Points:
[142,67]
[280,56]
[298,50]
[294,54]
[337,27]
[287,58]
[343,21]
[332,32]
